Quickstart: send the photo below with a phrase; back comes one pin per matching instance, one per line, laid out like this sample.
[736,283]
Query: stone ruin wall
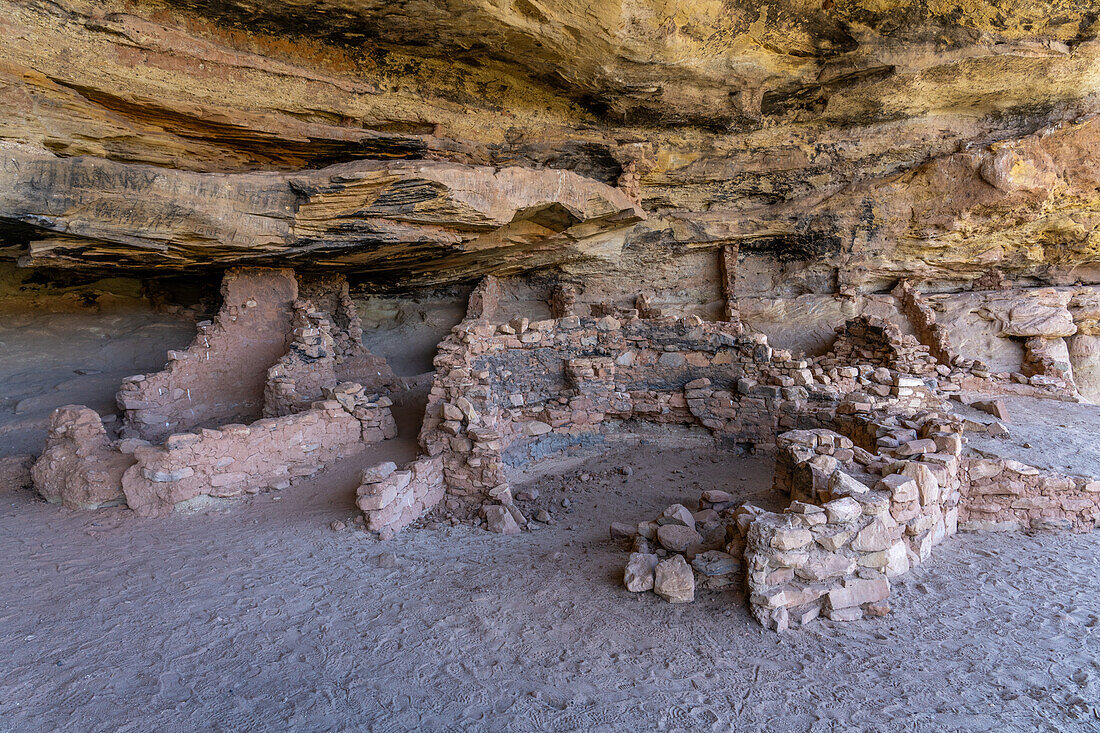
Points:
[268,352]
[81,466]
[834,550]
[870,340]
[220,377]
[868,504]
[318,420]
[1003,494]
[309,364]
[392,499]
[860,518]
[509,394]
[923,320]
[506,394]
[246,459]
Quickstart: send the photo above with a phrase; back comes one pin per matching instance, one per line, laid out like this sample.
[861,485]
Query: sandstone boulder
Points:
[678,538]
[674,581]
[498,519]
[640,572]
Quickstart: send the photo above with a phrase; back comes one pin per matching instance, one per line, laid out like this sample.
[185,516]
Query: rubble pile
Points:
[681,550]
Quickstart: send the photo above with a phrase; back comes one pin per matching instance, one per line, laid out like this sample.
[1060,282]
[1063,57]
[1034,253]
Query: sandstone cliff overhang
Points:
[420,221]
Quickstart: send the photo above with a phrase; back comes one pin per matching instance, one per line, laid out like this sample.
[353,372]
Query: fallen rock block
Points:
[996,408]
[714,563]
[674,581]
[677,514]
[500,520]
[621,531]
[640,572]
[677,537]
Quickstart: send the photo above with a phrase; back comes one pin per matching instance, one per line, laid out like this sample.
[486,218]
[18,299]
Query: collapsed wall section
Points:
[295,381]
[871,340]
[81,467]
[391,499]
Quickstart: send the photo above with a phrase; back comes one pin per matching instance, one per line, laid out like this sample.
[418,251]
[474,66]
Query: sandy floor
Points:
[257,616]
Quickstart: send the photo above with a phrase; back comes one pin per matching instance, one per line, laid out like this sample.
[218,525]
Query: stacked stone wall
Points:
[391,499]
[507,394]
[834,550]
[295,381]
[1002,494]
[871,340]
[185,433]
[240,459]
[923,320]
[220,378]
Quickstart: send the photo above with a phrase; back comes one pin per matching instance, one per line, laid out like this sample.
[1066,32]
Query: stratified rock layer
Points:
[841,145]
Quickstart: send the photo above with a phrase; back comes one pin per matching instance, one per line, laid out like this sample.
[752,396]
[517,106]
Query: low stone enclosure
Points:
[279,386]
[274,388]
[870,457]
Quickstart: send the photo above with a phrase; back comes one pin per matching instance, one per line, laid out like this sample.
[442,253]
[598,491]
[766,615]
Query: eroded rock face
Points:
[840,145]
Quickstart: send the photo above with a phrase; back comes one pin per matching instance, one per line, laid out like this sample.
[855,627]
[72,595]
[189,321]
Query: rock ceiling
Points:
[430,142]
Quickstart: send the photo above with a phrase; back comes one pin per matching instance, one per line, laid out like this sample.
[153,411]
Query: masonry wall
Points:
[834,550]
[1002,494]
[236,459]
[295,381]
[508,394]
[392,499]
[220,377]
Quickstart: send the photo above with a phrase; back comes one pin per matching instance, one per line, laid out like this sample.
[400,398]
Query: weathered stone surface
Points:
[80,467]
[639,573]
[822,567]
[791,539]
[843,510]
[875,537]
[858,591]
[677,537]
[674,581]
[364,214]
[500,520]
[374,474]
[768,129]
[621,531]
[715,562]
[15,471]
[677,514]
